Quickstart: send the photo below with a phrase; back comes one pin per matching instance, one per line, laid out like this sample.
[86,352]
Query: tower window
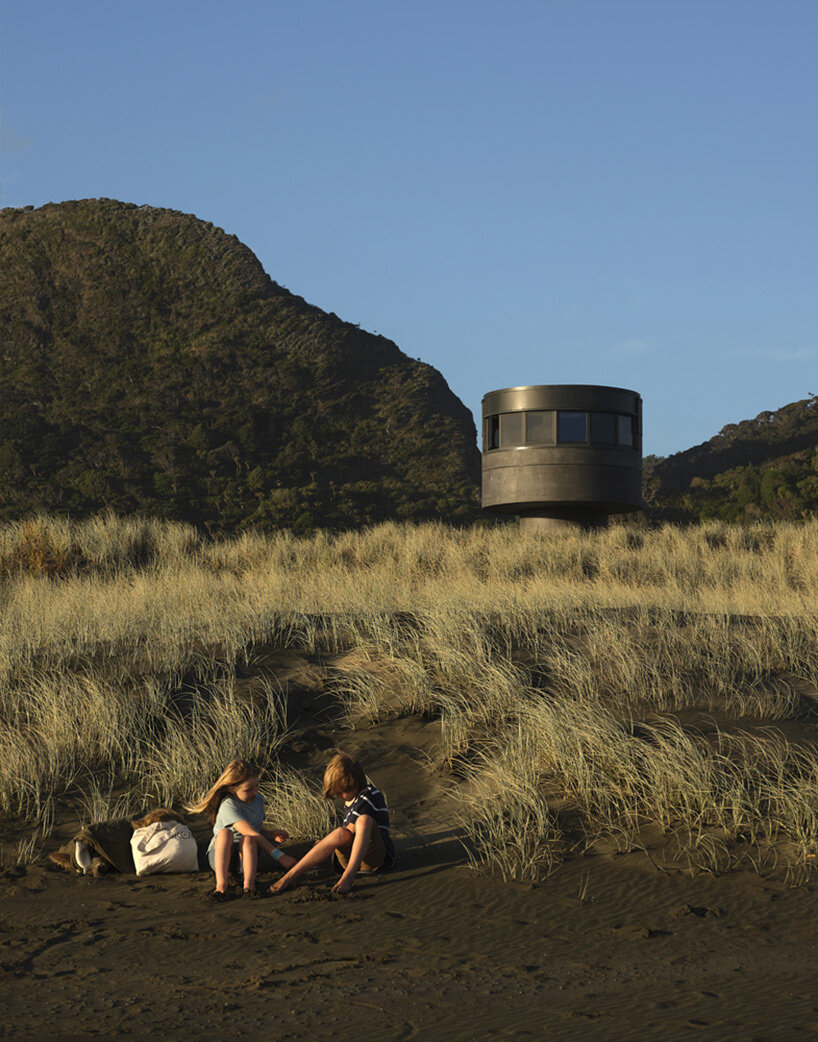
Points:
[571,428]
[511,429]
[539,428]
[603,428]
[624,433]
[491,435]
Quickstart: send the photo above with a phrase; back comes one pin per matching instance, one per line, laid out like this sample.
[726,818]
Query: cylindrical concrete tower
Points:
[562,454]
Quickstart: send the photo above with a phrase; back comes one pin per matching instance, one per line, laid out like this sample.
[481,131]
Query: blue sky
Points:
[516,191]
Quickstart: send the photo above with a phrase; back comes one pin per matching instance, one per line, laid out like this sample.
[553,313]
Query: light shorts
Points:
[235,860]
[266,862]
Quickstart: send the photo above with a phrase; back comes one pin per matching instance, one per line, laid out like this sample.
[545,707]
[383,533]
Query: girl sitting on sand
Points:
[362,841]
[239,843]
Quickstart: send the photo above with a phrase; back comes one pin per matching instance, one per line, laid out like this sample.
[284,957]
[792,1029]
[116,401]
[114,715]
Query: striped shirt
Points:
[370,801]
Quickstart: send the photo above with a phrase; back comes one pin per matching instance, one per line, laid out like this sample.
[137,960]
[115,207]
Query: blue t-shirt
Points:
[232,810]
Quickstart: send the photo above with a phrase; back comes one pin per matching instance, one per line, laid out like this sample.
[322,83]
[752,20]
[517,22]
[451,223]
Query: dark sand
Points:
[609,947]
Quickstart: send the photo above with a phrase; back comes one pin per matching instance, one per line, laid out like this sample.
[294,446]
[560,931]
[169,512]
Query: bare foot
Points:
[283,884]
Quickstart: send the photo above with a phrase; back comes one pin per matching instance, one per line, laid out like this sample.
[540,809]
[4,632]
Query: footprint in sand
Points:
[701,912]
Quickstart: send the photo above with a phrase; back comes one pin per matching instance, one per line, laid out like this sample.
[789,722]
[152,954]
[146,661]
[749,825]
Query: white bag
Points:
[165,846]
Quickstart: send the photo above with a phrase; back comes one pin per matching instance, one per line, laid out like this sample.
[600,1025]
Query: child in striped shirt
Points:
[362,842]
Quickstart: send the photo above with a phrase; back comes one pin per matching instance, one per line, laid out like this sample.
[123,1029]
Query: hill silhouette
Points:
[149,364]
[761,468]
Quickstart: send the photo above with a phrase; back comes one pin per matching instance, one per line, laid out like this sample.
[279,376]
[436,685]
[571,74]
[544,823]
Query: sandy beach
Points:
[610,946]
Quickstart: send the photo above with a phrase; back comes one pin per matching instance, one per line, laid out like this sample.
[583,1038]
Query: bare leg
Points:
[249,861]
[221,861]
[363,835]
[338,839]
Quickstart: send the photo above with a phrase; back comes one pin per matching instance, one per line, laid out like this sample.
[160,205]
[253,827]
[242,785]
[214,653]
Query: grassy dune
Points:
[592,689]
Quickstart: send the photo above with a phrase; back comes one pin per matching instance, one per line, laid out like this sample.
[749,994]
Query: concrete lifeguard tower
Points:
[562,454]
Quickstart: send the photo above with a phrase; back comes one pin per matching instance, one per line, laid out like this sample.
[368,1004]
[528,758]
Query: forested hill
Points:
[766,467]
[149,364]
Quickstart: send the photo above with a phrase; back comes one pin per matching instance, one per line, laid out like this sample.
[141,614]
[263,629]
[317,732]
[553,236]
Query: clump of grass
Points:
[291,802]
[181,759]
[621,778]
[106,544]
[29,849]
[104,803]
[148,741]
[504,817]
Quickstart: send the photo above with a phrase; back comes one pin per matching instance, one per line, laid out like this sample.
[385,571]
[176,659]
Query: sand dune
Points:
[608,947]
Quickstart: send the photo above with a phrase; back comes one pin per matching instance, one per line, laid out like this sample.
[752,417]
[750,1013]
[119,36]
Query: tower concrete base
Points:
[570,521]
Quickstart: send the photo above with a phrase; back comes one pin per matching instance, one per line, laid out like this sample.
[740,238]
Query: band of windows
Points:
[561,427]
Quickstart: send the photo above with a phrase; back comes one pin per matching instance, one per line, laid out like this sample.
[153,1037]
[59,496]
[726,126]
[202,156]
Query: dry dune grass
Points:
[555,665]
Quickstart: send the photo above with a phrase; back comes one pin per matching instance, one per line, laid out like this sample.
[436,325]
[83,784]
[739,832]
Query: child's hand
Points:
[343,886]
[281,835]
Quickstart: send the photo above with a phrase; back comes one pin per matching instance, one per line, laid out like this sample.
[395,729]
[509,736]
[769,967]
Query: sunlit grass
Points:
[551,661]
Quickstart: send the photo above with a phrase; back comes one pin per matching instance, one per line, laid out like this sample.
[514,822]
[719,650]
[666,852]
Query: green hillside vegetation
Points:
[762,468]
[148,364]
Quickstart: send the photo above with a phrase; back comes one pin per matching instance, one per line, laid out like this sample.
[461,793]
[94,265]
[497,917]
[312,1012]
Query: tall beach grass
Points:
[554,664]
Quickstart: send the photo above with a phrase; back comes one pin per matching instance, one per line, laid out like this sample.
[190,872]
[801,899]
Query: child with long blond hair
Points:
[236,808]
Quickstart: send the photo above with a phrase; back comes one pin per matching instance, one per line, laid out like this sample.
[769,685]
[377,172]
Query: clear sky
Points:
[516,191]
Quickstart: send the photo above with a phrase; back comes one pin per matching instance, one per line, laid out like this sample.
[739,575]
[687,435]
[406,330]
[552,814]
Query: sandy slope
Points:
[609,947]
[430,951]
